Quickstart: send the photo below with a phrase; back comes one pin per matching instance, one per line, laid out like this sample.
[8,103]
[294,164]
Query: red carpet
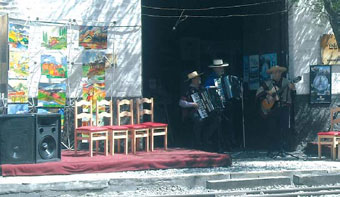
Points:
[82,163]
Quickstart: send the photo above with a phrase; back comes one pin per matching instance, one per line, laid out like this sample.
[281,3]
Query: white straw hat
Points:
[218,63]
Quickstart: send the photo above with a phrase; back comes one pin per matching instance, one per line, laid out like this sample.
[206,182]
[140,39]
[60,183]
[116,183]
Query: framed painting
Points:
[320,83]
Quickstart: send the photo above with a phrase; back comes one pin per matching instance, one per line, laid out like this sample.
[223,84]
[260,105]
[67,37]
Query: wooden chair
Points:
[156,128]
[136,131]
[88,132]
[330,137]
[115,132]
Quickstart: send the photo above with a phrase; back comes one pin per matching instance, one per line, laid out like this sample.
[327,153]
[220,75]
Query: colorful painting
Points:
[266,62]
[51,95]
[54,111]
[17,91]
[93,37]
[320,83]
[254,81]
[94,92]
[18,36]
[94,66]
[54,38]
[17,108]
[18,65]
[54,66]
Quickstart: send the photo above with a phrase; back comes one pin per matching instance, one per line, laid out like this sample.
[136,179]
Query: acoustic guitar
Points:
[273,96]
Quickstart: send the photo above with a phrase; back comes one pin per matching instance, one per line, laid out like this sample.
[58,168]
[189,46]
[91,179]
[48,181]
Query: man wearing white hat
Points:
[218,71]
[274,98]
[226,132]
[190,115]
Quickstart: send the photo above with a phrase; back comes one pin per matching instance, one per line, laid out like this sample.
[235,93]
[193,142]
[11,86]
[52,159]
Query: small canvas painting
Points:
[320,83]
[18,36]
[52,94]
[94,66]
[93,37]
[17,91]
[54,38]
[54,65]
[17,108]
[18,65]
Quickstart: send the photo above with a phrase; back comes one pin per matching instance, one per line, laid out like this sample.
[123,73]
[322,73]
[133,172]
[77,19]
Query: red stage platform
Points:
[82,163]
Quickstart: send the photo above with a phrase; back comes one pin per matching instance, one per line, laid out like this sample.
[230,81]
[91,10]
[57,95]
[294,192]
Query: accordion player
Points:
[228,87]
[208,101]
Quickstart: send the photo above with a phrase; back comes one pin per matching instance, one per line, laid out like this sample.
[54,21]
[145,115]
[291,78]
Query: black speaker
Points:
[17,139]
[29,138]
[47,138]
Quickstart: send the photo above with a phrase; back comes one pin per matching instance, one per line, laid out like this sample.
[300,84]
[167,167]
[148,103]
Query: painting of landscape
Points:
[18,36]
[52,94]
[93,37]
[54,66]
[54,38]
[18,65]
[94,66]
[17,91]
[94,92]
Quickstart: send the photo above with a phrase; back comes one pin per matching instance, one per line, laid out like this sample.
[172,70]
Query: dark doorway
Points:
[172,46]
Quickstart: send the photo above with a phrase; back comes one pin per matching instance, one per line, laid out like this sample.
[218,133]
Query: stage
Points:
[82,163]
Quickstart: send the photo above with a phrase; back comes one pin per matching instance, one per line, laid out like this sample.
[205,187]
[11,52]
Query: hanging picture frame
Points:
[320,84]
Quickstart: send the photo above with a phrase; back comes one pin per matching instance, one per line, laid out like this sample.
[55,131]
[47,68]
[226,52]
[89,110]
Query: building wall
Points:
[305,27]
[124,38]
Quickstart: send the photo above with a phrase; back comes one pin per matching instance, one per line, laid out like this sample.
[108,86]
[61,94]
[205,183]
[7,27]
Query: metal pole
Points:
[243,126]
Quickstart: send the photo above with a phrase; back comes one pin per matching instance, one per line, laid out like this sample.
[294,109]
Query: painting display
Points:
[17,108]
[54,38]
[18,65]
[93,37]
[330,52]
[52,94]
[254,81]
[94,66]
[18,36]
[95,92]
[54,65]
[17,91]
[320,83]
[266,62]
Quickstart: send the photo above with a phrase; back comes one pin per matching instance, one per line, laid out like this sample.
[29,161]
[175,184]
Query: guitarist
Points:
[275,98]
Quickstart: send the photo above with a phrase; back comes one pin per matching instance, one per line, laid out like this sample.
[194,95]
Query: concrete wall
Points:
[124,38]
[306,26]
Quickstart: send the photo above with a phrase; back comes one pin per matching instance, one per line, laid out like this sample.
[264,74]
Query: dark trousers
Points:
[278,129]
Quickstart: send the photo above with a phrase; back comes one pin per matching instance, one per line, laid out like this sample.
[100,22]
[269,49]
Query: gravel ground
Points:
[249,161]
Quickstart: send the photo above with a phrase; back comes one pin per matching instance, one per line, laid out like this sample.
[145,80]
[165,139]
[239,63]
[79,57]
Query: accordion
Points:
[208,100]
[229,87]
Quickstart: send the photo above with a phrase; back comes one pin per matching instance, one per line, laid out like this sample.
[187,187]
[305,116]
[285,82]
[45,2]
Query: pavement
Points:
[250,169]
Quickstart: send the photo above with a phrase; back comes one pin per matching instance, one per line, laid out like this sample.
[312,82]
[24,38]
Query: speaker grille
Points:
[17,139]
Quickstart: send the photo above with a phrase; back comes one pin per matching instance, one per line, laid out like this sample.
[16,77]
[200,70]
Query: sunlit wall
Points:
[306,25]
[123,18]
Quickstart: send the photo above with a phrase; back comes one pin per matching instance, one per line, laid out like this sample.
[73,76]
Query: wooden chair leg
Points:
[105,144]
[112,145]
[90,145]
[126,147]
[152,140]
[133,144]
[166,139]
[75,144]
[147,141]
[319,147]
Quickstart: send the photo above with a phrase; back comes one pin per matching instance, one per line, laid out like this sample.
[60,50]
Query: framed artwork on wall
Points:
[320,83]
